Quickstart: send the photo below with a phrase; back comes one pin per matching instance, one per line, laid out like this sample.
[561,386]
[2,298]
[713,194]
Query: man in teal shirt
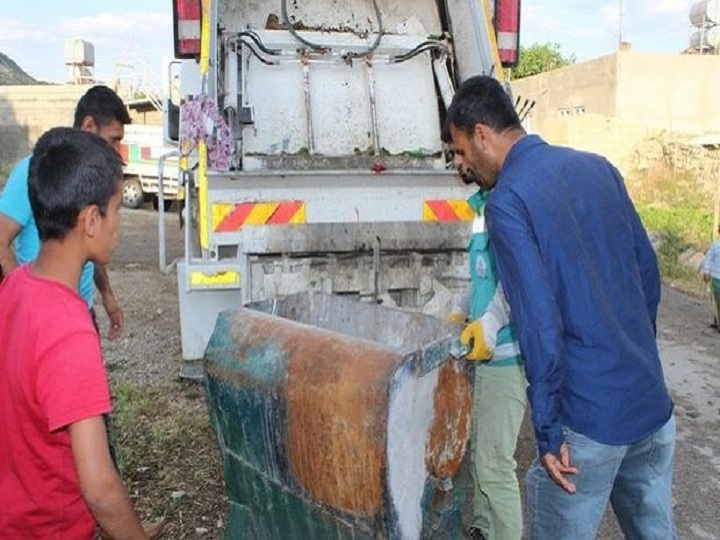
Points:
[499,387]
[99,111]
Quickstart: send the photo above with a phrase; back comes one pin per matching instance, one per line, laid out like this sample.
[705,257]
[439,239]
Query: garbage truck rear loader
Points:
[319,163]
[312,164]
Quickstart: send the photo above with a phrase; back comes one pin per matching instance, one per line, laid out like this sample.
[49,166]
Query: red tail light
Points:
[187,15]
[507,26]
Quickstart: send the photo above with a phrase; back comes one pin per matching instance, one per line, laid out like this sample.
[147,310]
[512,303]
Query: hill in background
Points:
[11,73]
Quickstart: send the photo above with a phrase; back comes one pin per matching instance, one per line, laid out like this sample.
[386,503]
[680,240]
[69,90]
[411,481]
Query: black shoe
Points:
[473,533]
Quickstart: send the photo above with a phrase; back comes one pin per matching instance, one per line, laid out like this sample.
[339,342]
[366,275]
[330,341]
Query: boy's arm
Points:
[101,487]
[110,303]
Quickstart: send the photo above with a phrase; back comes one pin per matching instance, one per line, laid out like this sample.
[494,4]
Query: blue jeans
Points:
[636,479]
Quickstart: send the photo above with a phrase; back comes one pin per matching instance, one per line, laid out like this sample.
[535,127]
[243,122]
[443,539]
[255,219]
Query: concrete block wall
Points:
[26,112]
[675,93]
[610,137]
[611,104]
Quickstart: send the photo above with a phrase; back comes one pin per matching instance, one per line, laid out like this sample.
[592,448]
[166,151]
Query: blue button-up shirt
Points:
[584,287]
[711,264]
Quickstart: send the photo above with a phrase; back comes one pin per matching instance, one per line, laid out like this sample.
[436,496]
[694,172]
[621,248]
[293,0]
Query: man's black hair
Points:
[481,100]
[102,105]
[70,169]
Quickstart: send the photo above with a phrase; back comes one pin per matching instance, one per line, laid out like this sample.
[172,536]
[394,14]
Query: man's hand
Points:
[558,467]
[480,349]
[115,314]
[707,278]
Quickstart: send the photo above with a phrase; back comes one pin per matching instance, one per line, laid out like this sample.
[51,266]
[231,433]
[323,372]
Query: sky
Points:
[139,32]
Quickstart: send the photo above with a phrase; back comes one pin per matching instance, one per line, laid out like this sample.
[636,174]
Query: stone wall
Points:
[689,168]
[701,161]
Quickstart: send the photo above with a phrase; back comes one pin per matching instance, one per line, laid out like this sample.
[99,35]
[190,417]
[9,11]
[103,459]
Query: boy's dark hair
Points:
[70,169]
[481,100]
[102,105]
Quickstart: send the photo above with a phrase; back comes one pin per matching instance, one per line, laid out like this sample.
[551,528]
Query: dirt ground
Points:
[169,456]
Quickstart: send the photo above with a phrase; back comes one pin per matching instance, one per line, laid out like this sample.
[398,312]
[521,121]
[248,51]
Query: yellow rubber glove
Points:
[480,350]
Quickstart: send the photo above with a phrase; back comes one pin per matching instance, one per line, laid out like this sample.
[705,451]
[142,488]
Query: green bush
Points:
[679,229]
[689,225]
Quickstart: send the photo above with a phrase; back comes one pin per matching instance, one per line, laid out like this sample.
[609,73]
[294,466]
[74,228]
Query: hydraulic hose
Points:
[318,46]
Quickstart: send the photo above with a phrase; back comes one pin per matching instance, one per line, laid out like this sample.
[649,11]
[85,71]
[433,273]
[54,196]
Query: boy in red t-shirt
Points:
[56,476]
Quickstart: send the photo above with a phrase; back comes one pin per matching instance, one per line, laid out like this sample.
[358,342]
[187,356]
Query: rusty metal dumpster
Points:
[338,419]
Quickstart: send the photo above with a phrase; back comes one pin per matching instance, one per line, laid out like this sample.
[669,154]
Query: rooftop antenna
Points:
[621,14]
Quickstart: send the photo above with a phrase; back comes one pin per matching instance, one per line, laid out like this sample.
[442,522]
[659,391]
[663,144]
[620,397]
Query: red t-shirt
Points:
[51,375]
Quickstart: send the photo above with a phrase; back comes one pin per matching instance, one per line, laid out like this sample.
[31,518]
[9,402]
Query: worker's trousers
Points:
[498,413]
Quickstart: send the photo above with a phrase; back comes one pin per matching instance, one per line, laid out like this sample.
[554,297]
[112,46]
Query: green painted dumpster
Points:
[338,419]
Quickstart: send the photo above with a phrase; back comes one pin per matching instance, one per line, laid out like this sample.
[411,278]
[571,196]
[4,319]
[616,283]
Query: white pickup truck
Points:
[141,149]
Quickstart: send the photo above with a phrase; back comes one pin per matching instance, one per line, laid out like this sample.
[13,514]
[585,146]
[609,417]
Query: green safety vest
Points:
[483,278]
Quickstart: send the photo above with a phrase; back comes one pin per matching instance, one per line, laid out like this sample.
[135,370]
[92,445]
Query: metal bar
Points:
[376,268]
[231,83]
[355,237]
[373,105]
[164,268]
[444,81]
[308,104]
[202,147]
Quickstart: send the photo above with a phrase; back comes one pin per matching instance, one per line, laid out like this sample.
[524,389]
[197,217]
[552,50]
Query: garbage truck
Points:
[311,136]
[324,227]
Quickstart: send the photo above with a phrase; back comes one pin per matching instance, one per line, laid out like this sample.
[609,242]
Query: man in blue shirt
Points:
[583,285]
[99,111]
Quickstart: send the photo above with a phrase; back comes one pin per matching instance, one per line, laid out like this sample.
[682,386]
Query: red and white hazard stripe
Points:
[507,27]
[187,19]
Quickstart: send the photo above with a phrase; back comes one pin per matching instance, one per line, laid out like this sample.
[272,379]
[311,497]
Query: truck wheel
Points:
[132,193]
[167,203]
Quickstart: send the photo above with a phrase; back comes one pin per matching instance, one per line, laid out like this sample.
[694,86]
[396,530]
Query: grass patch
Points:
[675,270]
[682,232]
[684,227]
[168,454]
[673,207]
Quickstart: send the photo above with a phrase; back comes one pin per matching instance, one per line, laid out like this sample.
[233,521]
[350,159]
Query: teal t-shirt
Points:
[15,204]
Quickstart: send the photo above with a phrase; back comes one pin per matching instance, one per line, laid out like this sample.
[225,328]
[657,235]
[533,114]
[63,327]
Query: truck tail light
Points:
[187,15]
[507,27]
